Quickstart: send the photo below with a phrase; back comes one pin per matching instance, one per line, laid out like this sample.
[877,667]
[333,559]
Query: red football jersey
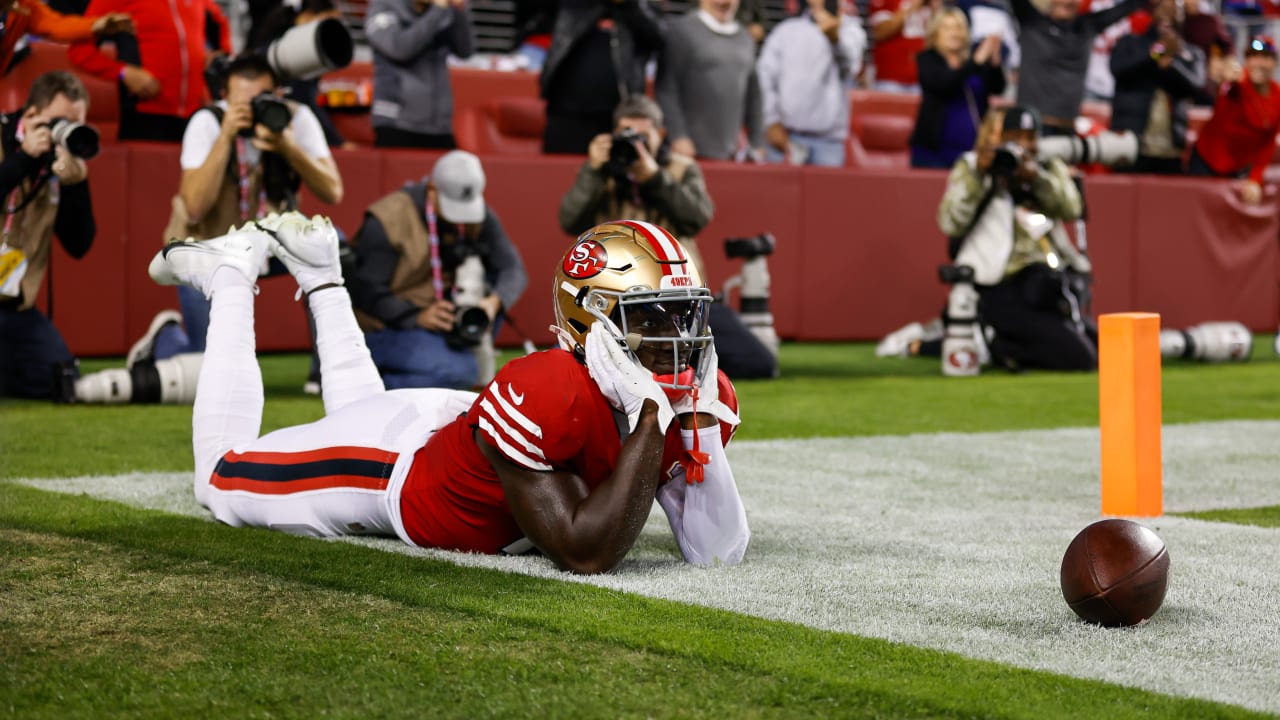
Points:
[895,56]
[542,412]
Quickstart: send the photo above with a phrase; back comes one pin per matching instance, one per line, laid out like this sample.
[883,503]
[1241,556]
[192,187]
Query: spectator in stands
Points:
[411,41]
[1004,213]
[707,84]
[19,18]
[751,15]
[1157,74]
[649,182]
[409,257]
[956,85]
[236,169]
[597,58]
[280,21]
[897,37]
[162,79]
[1205,30]
[1099,83]
[1240,138]
[533,21]
[46,191]
[805,68]
[1055,56]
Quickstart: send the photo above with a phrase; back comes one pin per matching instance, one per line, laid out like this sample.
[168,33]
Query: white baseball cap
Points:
[459,182]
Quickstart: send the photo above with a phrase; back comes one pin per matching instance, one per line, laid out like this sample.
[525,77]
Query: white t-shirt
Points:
[203,129]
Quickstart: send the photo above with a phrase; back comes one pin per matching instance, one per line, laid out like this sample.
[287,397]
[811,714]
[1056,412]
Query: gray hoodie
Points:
[410,73]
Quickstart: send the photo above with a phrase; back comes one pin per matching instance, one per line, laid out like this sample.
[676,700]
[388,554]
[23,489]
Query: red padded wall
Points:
[857,250]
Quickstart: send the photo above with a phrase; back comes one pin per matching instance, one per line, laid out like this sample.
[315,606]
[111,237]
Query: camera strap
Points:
[433,238]
[242,169]
[13,205]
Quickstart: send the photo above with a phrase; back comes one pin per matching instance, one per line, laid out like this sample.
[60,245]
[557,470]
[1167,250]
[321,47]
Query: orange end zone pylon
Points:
[1129,414]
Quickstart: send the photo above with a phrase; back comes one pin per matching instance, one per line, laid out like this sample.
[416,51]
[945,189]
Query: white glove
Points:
[625,384]
[708,385]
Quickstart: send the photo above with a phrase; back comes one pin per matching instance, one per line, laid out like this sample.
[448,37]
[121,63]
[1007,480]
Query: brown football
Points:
[1115,573]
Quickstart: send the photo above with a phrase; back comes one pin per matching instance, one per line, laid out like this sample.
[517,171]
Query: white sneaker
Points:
[898,342]
[309,248]
[145,347]
[192,262]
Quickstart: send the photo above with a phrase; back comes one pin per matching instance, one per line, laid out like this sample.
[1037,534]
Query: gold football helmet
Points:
[638,280]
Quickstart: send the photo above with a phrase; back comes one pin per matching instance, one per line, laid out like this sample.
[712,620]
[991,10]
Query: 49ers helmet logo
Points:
[585,260]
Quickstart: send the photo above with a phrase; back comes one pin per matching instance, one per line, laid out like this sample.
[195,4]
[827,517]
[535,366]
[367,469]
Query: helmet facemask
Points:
[664,331]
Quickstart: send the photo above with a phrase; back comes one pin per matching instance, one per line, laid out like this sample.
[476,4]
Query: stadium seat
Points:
[880,141]
[503,126]
[356,127]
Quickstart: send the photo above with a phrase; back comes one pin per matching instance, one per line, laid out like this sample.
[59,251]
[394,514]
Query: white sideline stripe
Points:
[953,541]
[490,413]
[509,449]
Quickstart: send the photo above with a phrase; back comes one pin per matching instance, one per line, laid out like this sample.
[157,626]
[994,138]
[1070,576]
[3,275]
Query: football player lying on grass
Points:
[564,452]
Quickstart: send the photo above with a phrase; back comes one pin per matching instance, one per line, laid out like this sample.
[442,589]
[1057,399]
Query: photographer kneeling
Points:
[1016,270]
[633,175]
[44,184]
[433,270]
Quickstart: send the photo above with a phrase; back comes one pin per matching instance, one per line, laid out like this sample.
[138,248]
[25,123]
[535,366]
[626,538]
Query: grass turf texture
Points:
[114,611]
[106,609]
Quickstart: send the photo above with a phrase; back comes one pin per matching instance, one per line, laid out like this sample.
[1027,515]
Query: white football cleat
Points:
[308,248]
[898,342]
[192,262]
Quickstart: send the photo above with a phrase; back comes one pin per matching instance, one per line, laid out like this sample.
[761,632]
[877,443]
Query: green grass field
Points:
[111,609]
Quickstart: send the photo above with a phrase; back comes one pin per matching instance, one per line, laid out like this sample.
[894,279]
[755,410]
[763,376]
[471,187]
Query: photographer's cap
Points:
[459,182]
[1020,117]
[1261,45]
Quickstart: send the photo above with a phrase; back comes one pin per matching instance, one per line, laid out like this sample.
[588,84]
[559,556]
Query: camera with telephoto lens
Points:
[304,52]
[750,247]
[623,153]
[1008,157]
[470,321]
[1106,148]
[271,112]
[76,138]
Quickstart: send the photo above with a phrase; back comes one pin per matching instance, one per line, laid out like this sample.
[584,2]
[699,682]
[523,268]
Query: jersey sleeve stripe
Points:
[486,409]
[506,448]
[512,412]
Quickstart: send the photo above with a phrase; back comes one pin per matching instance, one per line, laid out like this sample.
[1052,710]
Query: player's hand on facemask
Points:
[708,384]
[625,384]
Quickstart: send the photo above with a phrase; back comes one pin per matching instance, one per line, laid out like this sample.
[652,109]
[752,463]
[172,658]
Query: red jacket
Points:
[32,16]
[1242,132]
[171,39]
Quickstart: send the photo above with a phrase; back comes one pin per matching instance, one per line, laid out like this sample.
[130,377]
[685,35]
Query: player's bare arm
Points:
[585,531]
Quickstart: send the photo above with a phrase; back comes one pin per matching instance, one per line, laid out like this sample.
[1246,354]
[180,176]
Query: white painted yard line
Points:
[953,541]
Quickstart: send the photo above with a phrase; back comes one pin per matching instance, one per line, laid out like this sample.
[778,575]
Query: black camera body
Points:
[75,137]
[469,327]
[1008,156]
[271,112]
[623,153]
[761,245]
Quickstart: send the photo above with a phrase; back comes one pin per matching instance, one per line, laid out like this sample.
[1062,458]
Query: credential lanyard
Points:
[433,237]
[243,168]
